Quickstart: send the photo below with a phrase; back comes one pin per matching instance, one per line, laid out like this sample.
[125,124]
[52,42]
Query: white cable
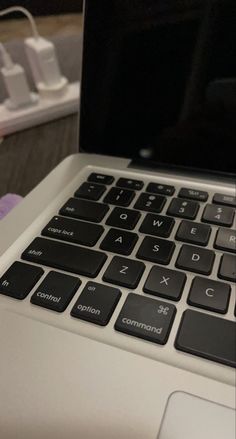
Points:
[25,12]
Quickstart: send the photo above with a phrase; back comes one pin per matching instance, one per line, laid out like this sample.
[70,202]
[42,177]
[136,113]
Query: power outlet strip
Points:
[44,111]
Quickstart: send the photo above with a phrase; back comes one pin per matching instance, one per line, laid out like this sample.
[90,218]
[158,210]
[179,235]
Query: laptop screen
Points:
[159,81]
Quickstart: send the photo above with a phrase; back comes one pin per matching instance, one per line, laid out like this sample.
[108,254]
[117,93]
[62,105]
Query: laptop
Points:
[117,273]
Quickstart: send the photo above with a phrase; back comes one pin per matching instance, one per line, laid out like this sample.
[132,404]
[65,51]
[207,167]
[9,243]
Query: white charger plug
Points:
[45,68]
[16,83]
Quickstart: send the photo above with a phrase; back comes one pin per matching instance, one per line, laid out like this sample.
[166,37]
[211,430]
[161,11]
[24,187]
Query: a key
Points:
[165,283]
[183,208]
[84,210]
[219,215]
[123,218]
[156,250]
[101,178]
[119,197]
[149,319]
[227,200]
[96,303]
[19,280]
[56,291]
[226,240]
[194,233]
[162,189]
[157,225]
[66,257]
[124,272]
[227,268]
[193,194]
[90,191]
[75,231]
[128,183]
[195,259]
[207,336]
[209,294]
[150,203]
[119,241]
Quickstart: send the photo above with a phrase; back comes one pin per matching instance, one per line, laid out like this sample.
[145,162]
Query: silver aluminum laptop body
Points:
[63,376]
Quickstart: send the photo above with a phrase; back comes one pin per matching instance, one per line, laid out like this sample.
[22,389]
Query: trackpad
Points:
[189,417]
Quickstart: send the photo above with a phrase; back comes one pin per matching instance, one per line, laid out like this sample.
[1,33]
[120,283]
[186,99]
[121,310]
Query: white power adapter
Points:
[45,68]
[16,84]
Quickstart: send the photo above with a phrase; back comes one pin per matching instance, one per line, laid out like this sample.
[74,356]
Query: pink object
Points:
[7,203]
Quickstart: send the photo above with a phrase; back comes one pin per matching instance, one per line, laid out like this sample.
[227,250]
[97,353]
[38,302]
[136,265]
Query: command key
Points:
[146,318]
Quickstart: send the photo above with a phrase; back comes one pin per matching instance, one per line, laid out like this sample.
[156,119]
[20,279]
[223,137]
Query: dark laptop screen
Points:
[159,81]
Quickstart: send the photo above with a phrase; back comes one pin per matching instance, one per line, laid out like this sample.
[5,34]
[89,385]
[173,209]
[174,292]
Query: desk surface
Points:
[27,157]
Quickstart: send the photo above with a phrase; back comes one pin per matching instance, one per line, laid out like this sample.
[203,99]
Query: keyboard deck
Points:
[148,246]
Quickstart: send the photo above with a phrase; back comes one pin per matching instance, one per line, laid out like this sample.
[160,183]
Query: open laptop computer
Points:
[117,273]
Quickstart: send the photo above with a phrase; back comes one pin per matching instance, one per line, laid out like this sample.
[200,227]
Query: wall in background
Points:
[52,7]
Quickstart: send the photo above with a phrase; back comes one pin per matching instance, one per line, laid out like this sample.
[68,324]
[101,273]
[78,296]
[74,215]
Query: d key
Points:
[195,259]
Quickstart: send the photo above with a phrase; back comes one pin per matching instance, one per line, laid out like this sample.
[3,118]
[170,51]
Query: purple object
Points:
[7,203]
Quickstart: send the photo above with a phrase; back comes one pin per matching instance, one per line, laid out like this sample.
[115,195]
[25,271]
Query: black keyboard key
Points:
[124,272]
[146,318]
[157,225]
[128,183]
[227,268]
[123,218]
[56,291]
[156,250]
[150,203]
[226,240]
[96,303]
[100,178]
[119,197]
[207,336]
[19,280]
[219,215]
[90,191]
[183,208]
[66,257]
[165,283]
[193,194]
[159,188]
[195,259]
[119,241]
[227,200]
[84,210]
[209,294]
[73,231]
[194,233]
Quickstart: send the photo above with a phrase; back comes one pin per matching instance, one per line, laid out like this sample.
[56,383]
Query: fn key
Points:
[19,280]
[207,336]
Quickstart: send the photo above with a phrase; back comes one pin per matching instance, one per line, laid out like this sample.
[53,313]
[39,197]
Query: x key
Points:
[165,283]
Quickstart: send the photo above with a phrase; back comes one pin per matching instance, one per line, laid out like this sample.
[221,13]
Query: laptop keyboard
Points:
[66,244]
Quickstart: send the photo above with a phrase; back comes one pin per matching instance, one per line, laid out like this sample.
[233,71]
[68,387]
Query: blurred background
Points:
[52,17]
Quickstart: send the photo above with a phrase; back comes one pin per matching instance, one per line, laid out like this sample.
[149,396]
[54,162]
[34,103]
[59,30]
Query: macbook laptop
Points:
[117,273]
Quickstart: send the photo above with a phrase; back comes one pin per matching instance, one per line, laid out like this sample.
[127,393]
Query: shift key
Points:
[66,257]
